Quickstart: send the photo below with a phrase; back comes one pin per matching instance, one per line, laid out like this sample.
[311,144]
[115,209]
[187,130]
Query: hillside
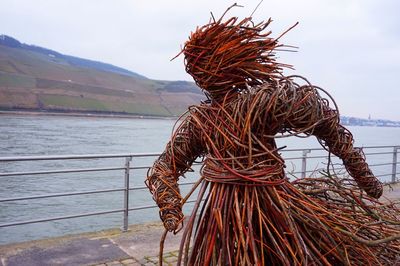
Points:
[36,78]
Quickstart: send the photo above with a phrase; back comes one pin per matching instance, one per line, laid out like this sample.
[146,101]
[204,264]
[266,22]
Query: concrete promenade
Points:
[138,246]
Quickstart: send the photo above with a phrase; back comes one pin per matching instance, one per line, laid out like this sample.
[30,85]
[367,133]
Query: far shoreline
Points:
[121,115]
[83,114]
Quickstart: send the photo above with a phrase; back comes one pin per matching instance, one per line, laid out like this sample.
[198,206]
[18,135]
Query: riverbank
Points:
[346,121]
[78,114]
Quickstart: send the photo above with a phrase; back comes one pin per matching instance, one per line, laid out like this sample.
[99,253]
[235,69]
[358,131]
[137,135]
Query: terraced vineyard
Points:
[34,78]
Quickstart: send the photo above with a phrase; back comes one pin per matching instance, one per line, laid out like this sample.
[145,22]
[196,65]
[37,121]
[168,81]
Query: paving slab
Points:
[138,246]
[76,252]
[392,191]
[146,241]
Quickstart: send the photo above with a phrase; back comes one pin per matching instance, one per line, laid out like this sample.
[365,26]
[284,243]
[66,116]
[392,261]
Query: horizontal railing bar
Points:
[333,156]
[343,168]
[322,149]
[62,194]
[293,158]
[74,157]
[378,153]
[62,171]
[137,188]
[308,157]
[139,167]
[295,150]
[143,207]
[122,168]
[322,169]
[380,147]
[325,156]
[381,164]
[135,155]
[384,175]
[61,218]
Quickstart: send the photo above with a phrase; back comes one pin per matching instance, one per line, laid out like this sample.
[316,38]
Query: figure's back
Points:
[239,134]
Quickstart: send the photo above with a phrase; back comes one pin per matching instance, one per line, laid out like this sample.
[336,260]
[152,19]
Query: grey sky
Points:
[351,48]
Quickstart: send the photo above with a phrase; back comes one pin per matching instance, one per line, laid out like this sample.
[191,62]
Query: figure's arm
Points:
[162,179]
[311,114]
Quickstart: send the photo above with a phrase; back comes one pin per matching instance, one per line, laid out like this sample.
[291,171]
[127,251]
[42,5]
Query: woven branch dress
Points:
[247,211]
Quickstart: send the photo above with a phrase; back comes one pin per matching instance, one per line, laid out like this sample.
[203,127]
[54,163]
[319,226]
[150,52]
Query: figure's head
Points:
[229,57]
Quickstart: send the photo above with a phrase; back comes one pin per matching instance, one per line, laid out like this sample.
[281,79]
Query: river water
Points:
[60,135]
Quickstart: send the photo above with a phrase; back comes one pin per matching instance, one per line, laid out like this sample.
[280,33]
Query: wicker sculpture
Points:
[247,211]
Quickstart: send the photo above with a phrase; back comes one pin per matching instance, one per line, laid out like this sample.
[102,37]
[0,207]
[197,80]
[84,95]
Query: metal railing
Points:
[309,165]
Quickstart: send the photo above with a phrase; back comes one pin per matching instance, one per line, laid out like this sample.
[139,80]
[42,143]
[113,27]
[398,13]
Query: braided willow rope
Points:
[252,214]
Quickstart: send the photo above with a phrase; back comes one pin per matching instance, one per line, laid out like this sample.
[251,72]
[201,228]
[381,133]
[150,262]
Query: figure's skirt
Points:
[322,221]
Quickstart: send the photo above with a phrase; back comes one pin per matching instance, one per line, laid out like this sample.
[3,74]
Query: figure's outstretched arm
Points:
[311,114]
[162,179]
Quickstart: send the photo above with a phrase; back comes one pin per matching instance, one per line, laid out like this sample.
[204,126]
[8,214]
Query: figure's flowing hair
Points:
[234,54]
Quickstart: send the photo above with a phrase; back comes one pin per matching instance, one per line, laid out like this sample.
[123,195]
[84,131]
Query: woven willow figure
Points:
[247,211]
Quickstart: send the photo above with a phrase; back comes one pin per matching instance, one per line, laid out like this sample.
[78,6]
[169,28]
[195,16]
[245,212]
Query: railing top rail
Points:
[75,156]
[380,146]
[364,147]
[124,155]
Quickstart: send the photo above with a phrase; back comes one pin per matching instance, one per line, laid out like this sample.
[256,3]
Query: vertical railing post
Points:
[126,193]
[394,166]
[304,163]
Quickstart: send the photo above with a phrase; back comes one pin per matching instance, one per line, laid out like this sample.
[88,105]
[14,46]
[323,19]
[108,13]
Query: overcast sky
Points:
[349,47]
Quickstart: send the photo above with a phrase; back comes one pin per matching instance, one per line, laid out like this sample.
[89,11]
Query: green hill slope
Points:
[41,79]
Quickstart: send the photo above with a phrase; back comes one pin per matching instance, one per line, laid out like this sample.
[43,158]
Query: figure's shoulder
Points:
[268,91]
[196,108]
[199,112]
